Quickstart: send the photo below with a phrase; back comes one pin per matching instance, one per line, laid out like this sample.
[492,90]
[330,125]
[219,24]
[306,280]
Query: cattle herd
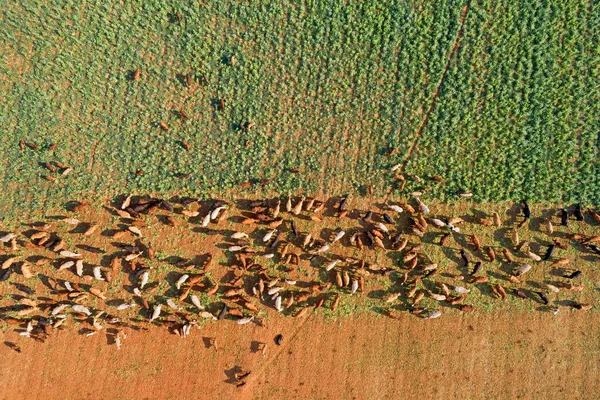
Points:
[264,248]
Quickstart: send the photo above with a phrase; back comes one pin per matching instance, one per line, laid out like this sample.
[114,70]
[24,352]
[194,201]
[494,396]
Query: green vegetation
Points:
[337,91]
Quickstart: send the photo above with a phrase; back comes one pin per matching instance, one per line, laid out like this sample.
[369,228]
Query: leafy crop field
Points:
[499,97]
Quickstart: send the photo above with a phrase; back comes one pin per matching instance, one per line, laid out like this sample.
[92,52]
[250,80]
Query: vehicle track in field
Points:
[436,92]
[434,98]
[93,155]
[259,373]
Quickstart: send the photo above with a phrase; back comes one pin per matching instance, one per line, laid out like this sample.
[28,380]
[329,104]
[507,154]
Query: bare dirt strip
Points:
[491,356]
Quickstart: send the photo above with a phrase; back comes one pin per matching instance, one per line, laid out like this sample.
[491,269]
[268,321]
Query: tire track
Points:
[93,156]
[435,96]
[269,361]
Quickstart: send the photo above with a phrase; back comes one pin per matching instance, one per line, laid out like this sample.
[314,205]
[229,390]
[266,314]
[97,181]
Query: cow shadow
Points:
[231,374]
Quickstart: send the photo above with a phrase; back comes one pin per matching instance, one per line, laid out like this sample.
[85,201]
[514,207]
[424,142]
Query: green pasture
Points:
[498,97]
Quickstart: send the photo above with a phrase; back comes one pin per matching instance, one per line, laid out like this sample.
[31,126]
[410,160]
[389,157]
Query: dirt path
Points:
[490,356]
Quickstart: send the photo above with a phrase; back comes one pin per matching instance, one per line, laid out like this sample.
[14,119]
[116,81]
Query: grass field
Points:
[498,97]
